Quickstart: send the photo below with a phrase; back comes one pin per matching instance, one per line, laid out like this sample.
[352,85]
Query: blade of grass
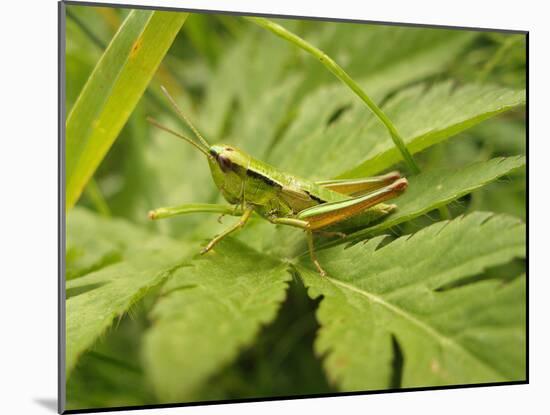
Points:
[113,90]
[162,75]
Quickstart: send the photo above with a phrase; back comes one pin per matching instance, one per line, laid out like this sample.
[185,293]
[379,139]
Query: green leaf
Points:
[113,90]
[436,188]
[409,301]
[93,242]
[109,290]
[314,147]
[428,117]
[216,307]
[110,373]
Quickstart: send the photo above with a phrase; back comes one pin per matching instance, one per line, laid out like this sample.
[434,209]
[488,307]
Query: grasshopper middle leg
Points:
[312,254]
[242,221]
[305,226]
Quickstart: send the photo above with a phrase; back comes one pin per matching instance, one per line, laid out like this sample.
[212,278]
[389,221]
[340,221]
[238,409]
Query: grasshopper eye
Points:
[225,163]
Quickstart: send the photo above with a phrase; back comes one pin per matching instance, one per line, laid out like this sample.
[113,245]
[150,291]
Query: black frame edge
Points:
[293,397]
[61,381]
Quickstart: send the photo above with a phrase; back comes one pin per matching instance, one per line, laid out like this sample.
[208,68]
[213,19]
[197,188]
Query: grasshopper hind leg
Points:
[312,254]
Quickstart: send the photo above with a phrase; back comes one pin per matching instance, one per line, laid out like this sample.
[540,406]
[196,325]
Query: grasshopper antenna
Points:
[169,130]
[182,115]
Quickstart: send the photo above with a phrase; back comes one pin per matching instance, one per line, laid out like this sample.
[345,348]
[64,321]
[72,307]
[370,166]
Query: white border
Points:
[29,185]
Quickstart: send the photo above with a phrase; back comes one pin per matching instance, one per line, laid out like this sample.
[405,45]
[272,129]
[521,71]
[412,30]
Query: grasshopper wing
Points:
[327,214]
[361,186]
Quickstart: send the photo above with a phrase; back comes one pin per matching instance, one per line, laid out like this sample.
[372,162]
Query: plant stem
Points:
[339,72]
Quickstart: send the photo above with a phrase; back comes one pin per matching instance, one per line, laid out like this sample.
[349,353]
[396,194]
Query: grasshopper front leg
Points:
[168,212]
[242,221]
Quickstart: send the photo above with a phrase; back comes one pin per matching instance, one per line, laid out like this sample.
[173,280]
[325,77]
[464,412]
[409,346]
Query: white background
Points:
[28,183]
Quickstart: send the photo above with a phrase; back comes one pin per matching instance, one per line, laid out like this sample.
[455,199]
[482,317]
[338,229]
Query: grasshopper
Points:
[250,185]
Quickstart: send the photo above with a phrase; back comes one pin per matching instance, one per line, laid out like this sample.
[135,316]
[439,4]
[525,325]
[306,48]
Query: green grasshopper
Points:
[251,185]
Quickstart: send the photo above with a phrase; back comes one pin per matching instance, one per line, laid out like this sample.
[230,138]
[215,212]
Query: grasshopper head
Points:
[228,166]
[227,158]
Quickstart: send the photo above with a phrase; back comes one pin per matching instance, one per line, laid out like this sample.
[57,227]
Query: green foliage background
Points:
[417,300]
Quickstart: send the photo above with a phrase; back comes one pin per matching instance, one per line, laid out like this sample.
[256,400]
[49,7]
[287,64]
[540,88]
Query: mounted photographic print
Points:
[276,207]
